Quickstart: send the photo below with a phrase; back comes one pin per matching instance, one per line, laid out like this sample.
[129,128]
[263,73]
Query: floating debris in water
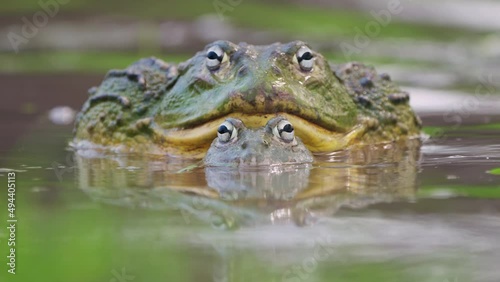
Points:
[62,115]
[39,189]
[11,170]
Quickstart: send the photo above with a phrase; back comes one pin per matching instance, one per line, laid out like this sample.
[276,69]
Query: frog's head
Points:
[253,83]
[273,144]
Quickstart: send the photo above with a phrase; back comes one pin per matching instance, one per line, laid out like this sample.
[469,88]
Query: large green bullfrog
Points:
[162,108]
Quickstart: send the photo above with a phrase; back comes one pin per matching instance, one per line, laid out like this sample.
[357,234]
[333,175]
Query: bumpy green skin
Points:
[137,108]
[381,104]
[257,147]
[117,112]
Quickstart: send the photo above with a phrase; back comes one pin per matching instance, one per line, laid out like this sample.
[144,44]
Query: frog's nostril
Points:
[244,145]
[265,144]
[242,71]
[276,70]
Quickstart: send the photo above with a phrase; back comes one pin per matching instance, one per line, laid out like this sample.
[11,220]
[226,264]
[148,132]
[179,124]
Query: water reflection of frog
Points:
[236,196]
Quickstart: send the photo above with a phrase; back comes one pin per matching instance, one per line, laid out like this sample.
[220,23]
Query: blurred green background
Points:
[94,36]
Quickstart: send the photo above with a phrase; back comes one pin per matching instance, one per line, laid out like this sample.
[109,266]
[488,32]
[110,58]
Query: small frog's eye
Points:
[305,58]
[227,132]
[215,57]
[284,131]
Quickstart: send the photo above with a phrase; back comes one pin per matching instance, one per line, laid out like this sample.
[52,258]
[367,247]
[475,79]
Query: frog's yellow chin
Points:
[194,141]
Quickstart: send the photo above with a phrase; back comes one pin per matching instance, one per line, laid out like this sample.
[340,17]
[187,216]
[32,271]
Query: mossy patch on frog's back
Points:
[383,107]
[117,112]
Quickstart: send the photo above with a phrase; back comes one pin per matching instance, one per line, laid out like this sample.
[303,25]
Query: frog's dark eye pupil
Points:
[305,56]
[222,129]
[288,128]
[284,131]
[226,132]
[213,56]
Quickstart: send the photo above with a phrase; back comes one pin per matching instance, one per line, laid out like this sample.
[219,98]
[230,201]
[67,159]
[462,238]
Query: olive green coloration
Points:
[162,108]
[273,144]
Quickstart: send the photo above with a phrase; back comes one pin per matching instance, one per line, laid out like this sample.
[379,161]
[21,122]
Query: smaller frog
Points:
[273,144]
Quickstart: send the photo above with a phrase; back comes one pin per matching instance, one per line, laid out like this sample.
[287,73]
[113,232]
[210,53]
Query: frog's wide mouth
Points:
[195,141]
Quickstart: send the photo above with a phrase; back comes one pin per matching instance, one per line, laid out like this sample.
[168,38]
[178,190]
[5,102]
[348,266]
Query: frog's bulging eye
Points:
[215,57]
[305,58]
[227,132]
[284,130]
